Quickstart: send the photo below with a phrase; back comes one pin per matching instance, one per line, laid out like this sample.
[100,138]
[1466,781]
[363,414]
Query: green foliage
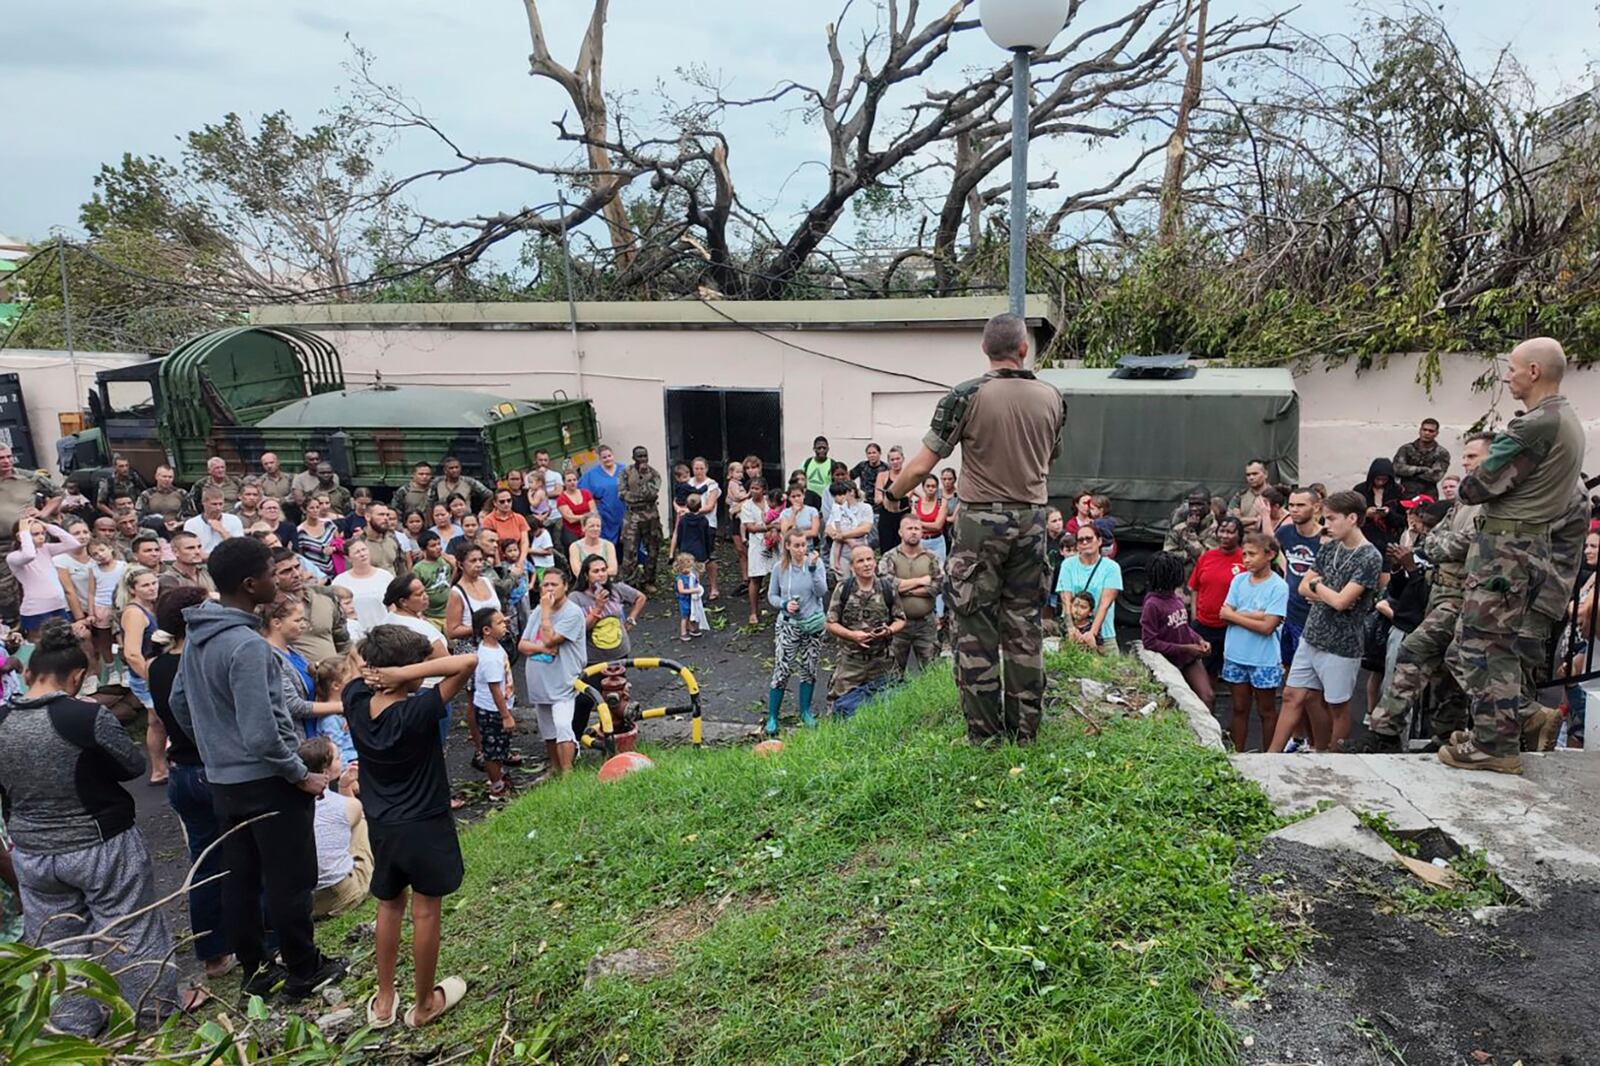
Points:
[32,980]
[878,892]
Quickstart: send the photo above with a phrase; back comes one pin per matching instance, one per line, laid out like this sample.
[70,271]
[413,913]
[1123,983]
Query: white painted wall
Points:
[49,389]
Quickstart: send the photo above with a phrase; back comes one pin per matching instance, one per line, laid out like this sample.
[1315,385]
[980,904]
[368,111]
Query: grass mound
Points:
[879,892]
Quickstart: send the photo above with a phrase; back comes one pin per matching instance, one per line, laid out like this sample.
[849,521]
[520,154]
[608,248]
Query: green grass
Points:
[879,892]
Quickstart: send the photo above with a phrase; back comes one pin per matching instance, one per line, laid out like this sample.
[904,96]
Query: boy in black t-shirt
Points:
[405,795]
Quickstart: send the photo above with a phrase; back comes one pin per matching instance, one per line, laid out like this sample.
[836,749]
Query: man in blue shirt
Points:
[601,481]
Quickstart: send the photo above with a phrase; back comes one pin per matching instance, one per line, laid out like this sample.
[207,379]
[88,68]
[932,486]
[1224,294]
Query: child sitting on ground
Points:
[1082,607]
[344,848]
[405,795]
[689,589]
[492,697]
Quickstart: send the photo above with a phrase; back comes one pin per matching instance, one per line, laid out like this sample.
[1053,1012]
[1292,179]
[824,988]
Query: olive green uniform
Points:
[22,490]
[228,486]
[919,640]
[169,503]
[411,498]
[1008,426]
[1526,485]
[640,491]
[864,611]
[279,486]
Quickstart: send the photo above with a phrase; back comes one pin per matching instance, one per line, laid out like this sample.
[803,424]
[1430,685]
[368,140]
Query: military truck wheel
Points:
[1134,559]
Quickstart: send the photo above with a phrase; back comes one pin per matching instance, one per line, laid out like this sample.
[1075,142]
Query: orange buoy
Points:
[622,764]
[768,747]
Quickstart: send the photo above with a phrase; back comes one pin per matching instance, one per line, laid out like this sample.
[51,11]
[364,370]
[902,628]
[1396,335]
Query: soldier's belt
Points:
[1002,505]
[1507,525]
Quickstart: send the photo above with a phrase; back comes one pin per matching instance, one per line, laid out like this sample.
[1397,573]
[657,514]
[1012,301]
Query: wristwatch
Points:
[888,494]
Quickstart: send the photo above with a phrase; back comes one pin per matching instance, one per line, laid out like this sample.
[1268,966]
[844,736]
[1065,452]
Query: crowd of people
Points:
[296,646]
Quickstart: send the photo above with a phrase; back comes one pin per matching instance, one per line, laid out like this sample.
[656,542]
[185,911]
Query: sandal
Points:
[454,989]
[373,1020]
[191,999]
[514,758]
[457,802]
[501,794]
[478,762]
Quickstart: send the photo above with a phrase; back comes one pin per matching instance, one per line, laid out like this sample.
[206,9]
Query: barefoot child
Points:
[405,794]
[491,697]
[687,583]
[1252,664]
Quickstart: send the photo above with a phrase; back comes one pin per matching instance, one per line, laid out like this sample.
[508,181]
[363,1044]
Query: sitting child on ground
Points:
[405,795]
[1083,618]
[687,583]
[344,848]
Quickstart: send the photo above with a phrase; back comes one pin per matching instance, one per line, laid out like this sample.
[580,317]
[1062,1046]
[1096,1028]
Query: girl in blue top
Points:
[1257,602]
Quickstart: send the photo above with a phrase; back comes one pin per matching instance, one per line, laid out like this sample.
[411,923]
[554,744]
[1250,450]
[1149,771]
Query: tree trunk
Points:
[1172,181]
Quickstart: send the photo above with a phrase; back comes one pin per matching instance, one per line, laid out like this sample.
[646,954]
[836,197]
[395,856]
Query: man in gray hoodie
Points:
[229,697]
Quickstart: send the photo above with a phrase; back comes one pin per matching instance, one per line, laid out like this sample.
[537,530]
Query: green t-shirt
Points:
[435,577]
[819,474]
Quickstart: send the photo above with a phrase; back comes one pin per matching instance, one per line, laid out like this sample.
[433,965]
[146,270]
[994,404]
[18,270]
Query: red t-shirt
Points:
[1213,573]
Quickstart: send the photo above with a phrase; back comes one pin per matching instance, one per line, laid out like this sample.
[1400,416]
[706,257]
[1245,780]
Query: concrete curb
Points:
[1205,727]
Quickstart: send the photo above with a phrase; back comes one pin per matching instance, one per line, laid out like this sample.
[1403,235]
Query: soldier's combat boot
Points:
[1539,729]
[806,689]
[1376,743]
[774,704]
[1468,756]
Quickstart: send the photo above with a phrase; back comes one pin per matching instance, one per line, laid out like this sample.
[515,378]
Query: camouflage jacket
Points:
[640,489]
[1420,470]
[1446,546]
[112,486]
[1189,541]
[172,502]
[22,490]
[1532,467]
[229,489]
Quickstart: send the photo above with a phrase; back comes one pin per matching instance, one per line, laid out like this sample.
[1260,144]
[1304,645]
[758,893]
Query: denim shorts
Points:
[1289,640]
[1262,677]
[30,623]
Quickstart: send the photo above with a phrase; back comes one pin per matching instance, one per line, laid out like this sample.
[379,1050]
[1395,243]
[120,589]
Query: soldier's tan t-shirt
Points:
[1008,424]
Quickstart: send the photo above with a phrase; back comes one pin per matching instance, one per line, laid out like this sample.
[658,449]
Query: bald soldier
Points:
[21,492]
[1526,485]
[1008,426]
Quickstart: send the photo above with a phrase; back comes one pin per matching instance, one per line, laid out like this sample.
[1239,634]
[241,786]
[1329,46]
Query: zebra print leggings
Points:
[795,650]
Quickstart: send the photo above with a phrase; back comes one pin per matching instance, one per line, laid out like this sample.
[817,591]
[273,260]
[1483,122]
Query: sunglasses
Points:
[1087,540]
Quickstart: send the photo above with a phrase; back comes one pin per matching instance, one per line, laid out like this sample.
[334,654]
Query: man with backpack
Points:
[865,614]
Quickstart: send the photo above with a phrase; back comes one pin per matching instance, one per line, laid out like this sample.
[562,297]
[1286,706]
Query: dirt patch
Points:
[1399,990]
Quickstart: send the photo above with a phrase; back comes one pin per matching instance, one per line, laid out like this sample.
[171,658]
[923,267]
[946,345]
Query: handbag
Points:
[809,625]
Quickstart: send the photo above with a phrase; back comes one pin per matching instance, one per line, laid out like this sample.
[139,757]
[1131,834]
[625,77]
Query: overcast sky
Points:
[90,79]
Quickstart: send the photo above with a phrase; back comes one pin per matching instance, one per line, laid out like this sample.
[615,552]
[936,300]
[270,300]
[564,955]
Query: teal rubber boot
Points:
[806,717]
[774,704]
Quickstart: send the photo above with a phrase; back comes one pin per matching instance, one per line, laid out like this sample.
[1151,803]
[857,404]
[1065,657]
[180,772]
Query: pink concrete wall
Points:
[1346,420]
[865,391]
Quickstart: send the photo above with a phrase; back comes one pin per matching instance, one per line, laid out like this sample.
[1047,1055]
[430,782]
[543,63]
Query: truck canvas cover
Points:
[1146,442]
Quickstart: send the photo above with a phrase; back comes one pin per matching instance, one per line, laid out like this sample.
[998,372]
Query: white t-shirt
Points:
[541,550]
[707,491]
[210,538]
[106,582]
[422,628]
[331,824]
[367,592]
[552,482]
[758,559]
[78,573]
[493,668]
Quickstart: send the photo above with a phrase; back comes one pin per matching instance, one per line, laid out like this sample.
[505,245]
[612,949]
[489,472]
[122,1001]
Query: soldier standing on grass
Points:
[640,489]
[1008,426]
[1526,486]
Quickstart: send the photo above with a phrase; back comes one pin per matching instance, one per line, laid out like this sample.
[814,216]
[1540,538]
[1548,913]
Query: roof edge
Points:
[668,314]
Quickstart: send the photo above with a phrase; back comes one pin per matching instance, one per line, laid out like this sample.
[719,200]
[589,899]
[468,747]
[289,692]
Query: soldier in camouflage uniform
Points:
[164,497]
[122,481]
[865,614]
[1422,653]
[1194,529]
[1526,486]
[21,491]
[640,490]
[217,477]
[1420,464]
[918,577]
[1008,426]
[1545,617]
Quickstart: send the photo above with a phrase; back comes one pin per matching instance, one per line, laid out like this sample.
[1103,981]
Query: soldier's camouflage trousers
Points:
[918,641]
[994,585]
[1420,664]
[639,529]
[10,596]
[1505,573]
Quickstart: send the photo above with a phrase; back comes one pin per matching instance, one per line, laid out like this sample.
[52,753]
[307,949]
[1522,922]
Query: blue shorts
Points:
[685,605]
[1288,640]
[1262,677]
[30,623]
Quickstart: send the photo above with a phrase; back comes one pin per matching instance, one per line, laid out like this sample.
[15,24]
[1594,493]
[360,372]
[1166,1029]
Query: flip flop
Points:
[454,989]
[375,1022]
[197,997]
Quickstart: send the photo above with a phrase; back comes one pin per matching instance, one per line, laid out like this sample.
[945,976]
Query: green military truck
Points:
[237,393]
[1155,429]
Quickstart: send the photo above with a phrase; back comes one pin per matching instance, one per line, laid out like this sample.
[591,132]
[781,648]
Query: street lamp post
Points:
[1021,27]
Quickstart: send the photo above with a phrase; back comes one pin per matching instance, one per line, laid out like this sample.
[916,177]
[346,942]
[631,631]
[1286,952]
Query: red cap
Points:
[1417,501]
